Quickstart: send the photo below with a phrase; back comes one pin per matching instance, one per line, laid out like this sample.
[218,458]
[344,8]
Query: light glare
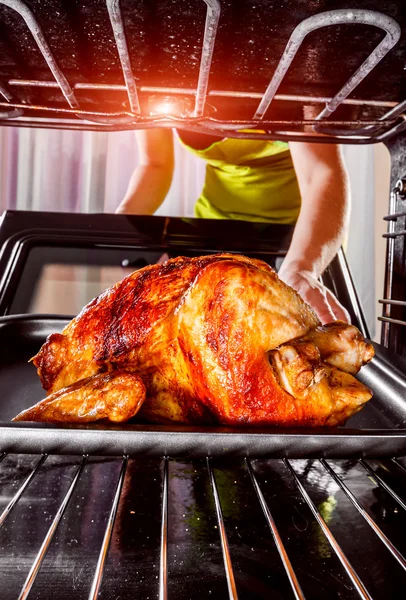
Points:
[163,108]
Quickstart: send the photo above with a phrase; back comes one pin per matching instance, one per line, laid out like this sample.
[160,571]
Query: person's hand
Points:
[320,298]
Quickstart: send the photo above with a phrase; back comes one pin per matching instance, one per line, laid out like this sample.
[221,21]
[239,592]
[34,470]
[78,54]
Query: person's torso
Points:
[245,179]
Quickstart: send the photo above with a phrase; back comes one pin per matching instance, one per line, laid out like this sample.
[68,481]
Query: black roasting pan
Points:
[378,430]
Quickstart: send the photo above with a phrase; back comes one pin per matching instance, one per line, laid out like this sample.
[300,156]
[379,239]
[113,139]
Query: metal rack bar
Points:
[210,31]
[163,564]
[297,590]
[359,586]
[393,32]
[95,589]
[382,483]
[394,113]
[69,111]
[116,20]
[396,130]
[393,302]
[395,553]
[394,234]
[389,271]
[232,589]
[191,92]
[212,19]
[4,515]
[398,464]
[390,320]
[14,112]
[130,125]
[48,538]
[333,17]
[25,12]
[395,216]
[230,125]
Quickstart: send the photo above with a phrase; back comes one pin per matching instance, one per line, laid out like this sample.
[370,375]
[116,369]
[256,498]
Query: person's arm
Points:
[321,226]
[152,178]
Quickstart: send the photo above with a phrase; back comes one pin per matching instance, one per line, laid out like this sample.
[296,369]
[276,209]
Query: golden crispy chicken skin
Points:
[113,396]
[214,339]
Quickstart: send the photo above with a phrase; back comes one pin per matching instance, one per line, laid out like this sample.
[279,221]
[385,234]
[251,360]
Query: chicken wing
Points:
[114,396]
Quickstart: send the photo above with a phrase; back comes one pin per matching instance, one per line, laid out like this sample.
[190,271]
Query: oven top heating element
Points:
[89,527]
[193,108]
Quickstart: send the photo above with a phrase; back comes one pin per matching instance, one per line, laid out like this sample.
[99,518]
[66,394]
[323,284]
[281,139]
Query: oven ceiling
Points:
[158,45]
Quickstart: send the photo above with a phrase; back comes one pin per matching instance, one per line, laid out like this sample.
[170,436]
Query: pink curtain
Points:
[78,171]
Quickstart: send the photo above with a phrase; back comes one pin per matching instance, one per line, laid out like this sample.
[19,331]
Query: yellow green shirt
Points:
[250,180]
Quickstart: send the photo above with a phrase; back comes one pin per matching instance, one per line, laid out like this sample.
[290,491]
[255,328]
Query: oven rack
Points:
[393,335]
[16,111]
[397,212]
[85,503]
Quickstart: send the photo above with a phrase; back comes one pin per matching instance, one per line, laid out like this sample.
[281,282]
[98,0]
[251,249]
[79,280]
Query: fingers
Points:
[341,313]
[321,299]
[316,297]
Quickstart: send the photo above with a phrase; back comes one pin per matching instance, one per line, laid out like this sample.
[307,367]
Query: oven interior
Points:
[187,514]
[143,510]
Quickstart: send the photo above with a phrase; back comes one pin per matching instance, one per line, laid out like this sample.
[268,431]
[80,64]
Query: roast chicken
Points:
[213,339]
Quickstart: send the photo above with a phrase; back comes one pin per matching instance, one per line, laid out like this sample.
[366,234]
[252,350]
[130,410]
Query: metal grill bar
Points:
[163,564]
[21,490]
[389,270]
[396,130]
[125,125]
[300,98]
[333,542]
[231,125]
[298,593]
[396,111]
[333,17]
[8,114]
[398,464]
[393,302]
[382,483]
[394,234]
[70,111]
[5,93]
[232,589]
[364,513]
[48,538]
[191,92]
[390,320]
[393,113]
[210,31]
[94,590]
[212,19]
[395,216]
[38,35]
[116,20]
[393,32]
